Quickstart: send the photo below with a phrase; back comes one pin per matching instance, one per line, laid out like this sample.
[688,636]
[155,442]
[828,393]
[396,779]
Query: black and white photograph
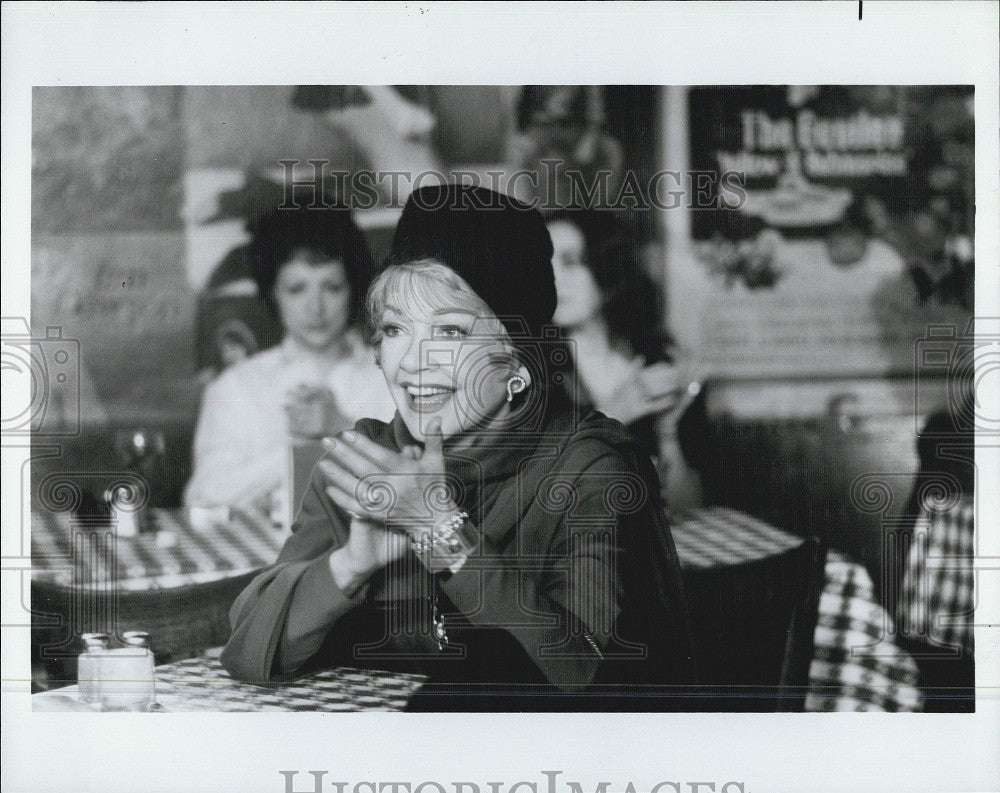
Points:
[636,420]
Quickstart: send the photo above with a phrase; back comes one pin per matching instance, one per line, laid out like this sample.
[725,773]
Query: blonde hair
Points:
[435,287]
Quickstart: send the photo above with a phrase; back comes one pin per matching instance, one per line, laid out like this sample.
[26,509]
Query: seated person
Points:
[933,601]
[626,365]
[312,266]
[487,536]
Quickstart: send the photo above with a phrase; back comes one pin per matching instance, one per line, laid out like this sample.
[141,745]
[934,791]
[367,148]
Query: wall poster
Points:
[829,228]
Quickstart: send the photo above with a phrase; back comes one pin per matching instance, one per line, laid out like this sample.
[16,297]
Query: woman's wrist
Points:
[447,545]
[347,574]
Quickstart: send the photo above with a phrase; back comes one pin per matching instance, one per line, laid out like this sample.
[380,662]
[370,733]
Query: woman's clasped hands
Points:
[395,499]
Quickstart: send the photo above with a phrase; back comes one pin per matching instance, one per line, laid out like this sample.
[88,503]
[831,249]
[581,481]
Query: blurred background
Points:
[805,292]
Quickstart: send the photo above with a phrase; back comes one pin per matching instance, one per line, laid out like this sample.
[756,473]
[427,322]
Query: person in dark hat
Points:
[489,536]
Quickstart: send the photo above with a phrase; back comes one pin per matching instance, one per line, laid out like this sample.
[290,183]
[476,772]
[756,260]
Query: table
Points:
[78,553]
[856,666]
[201,684]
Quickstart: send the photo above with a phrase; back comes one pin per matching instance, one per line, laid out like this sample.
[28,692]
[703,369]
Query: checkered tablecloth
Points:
[937,598]
[856,666]
[846,673]
[74,553]
[717,536]
[201,684]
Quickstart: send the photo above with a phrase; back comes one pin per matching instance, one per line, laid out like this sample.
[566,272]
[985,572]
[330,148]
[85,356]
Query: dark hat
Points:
[500,246]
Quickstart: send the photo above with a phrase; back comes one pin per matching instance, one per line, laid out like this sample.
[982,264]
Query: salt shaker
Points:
[88,665]
[128,675]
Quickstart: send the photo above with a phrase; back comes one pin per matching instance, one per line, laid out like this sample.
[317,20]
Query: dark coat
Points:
[573,595]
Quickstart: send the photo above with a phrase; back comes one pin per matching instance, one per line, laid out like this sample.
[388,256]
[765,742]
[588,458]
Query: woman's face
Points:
[579,298]
[314,301]
[447,364]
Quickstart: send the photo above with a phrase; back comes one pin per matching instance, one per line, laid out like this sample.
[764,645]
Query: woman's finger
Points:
[338,475]
[659,378]
[382,458]
[348,457]
[433,440]
[663,402]
[346,502]
[354,503]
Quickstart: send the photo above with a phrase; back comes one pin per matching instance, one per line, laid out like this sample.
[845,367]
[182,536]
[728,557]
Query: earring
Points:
[515,385]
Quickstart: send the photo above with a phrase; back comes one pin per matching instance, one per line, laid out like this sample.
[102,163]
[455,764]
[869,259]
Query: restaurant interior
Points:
[812,250]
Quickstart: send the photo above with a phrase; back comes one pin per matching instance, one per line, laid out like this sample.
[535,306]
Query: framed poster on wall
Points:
[828,228]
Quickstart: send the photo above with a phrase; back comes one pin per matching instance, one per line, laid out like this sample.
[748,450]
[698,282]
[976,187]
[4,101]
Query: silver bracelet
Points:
[446,533]
[421,545]
[443,537]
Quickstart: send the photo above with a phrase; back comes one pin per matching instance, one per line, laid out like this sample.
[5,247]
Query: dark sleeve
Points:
[564,613]
[282,617]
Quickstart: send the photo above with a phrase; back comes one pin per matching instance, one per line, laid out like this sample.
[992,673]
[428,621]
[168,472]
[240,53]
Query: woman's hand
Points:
[650,391]
[313,412]
[401,491]
[369,547]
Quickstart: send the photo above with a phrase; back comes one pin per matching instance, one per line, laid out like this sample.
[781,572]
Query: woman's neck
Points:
[496,424]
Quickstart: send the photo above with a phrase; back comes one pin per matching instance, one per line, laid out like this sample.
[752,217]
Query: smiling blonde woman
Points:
[488,536]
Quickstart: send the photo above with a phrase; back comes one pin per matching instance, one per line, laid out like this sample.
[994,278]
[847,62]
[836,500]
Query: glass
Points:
[141,451]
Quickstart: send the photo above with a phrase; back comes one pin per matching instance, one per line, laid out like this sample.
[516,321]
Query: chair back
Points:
[753,627]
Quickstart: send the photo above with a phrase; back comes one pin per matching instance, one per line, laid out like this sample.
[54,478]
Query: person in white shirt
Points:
[312,266]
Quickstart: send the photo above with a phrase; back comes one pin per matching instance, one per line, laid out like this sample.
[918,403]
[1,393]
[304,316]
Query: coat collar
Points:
[480,469]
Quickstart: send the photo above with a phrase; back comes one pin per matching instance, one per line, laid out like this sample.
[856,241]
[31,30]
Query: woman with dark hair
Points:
[312,268]
[627,366]
[489,537]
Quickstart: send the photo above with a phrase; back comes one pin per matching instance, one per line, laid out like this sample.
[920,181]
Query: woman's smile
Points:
[427,398]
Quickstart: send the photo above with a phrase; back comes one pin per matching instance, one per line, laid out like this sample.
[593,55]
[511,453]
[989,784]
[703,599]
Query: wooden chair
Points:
[753,626]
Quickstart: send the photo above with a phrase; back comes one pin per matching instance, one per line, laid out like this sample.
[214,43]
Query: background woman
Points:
[627,367]
[312,267]
[486,536]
